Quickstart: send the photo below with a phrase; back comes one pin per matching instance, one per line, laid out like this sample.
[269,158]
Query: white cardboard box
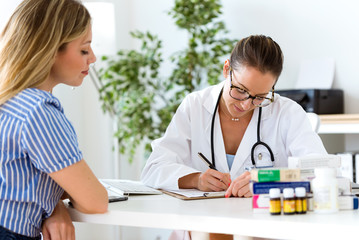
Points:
[315,161]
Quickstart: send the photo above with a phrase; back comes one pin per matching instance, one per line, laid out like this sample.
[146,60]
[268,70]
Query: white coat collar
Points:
[211,101]
[209,104]
[219,151]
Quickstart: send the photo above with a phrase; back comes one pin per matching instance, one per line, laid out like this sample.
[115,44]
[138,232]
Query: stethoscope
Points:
[259,142]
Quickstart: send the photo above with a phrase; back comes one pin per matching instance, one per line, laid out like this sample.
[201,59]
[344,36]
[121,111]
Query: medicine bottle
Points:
[275,206]
[288,201]
[300,200]
[325,190]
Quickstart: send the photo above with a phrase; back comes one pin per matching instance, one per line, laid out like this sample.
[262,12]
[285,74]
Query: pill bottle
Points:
[325,190]
[300,200]
[288,201]
[275,206]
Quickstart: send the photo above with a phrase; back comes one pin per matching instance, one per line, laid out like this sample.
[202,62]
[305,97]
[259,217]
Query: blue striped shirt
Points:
[36,138]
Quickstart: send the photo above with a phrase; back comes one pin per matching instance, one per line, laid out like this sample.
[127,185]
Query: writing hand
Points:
[240,186]
[212,180]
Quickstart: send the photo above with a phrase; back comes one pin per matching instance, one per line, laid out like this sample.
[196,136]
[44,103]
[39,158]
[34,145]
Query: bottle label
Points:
[324,198]
[275,206]
[289,206]
[300,205]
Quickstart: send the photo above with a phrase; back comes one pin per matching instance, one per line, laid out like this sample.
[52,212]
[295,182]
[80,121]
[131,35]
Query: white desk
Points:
[231,216]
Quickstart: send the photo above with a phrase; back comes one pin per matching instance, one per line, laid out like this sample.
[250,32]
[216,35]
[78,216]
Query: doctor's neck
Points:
[223,111]
[228,115]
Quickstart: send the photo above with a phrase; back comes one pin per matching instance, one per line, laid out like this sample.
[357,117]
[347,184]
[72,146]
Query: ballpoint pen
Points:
[210,165]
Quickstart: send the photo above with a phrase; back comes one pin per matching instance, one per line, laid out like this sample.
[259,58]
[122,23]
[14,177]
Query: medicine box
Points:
[348,202]
[315,161]
[275,174]
[263,187]
[260,203]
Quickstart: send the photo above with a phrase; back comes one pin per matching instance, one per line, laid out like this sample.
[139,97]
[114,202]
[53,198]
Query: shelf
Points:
[339,124]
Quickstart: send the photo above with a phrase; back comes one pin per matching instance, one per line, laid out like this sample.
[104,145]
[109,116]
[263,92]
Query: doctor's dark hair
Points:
[260,52]
[34,34]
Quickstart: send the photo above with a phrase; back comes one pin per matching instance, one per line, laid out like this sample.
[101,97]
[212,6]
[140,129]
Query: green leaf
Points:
[133,89]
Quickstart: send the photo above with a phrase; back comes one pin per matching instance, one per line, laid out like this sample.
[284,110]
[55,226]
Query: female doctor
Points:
[238,124]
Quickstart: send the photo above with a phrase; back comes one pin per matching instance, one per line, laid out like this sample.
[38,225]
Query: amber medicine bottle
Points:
[275,206]
[288,201]
[300,200]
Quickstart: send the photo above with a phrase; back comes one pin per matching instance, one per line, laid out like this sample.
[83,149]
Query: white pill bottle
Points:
[325,190]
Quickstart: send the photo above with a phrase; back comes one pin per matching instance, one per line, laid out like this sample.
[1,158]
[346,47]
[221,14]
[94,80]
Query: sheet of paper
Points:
[197,193]
[316,73]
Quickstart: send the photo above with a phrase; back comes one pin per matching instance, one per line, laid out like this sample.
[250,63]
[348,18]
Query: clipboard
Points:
[193,194]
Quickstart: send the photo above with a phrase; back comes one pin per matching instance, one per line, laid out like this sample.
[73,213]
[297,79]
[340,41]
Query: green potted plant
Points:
[142,101]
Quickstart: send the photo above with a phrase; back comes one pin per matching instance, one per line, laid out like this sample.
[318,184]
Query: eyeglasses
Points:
[241,95]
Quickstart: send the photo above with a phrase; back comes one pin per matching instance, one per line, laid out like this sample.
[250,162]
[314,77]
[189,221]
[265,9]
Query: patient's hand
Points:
[59,225]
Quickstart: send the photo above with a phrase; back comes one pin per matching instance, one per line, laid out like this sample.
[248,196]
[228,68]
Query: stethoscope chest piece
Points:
[260,144]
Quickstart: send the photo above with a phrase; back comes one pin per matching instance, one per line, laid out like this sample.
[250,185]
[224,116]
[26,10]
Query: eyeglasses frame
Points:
[249,96]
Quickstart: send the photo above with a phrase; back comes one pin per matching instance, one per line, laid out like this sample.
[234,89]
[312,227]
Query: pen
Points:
[248,169]
[210,165]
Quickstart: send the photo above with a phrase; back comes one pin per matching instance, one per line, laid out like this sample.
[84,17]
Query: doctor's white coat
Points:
[285,127]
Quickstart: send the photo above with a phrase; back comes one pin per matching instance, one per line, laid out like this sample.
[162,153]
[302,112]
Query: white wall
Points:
[305,29]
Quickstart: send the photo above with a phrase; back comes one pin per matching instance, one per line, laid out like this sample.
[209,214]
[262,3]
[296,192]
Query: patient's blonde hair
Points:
[36,31]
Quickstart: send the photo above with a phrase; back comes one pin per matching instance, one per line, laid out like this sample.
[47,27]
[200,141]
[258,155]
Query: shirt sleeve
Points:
[49,139]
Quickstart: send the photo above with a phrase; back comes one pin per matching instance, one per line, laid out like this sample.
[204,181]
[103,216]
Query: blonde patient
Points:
[45,43]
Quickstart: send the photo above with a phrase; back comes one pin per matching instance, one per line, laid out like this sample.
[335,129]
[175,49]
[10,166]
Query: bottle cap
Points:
[288,192]
[329,172]
[300,192]
[274,193]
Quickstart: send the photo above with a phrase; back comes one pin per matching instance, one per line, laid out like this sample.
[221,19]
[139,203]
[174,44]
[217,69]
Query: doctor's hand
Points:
[212,180]
[240,186]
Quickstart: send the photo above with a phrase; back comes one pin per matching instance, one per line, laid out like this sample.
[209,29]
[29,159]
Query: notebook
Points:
[127,187]
[193,194]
